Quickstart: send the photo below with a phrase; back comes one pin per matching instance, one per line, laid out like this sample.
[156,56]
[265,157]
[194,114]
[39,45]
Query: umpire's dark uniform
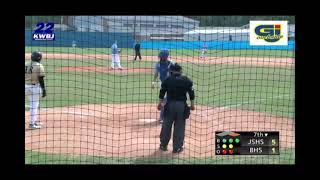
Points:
[176,86]
[137,51]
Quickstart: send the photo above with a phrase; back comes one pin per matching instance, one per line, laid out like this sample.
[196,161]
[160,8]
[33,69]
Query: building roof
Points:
[152,18]
[212,31]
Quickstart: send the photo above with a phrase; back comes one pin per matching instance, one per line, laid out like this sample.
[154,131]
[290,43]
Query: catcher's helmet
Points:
[175,68]
[36,56]
[164,54]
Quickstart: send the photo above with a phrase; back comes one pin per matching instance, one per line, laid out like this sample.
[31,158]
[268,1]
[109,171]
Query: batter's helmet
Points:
[164,54]
[36,56]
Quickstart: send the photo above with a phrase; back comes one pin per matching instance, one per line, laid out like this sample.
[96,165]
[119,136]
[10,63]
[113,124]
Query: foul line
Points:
[77,113]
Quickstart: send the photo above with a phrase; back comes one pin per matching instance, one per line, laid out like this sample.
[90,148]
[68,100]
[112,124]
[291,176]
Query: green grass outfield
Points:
[176,52]
[264,89]
[287,156]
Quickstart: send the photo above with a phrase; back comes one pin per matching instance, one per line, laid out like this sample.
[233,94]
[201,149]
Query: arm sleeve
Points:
[190,90]
[163,89]
[41,81]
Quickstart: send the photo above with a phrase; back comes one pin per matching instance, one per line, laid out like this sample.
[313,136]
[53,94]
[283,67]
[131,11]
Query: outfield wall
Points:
[125,40]
[211,45]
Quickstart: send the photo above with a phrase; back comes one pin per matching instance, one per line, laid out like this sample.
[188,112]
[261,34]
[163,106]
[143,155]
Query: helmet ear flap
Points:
[40,56]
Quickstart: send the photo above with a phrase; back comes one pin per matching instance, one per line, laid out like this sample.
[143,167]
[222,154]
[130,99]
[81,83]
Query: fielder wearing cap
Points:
[115,58]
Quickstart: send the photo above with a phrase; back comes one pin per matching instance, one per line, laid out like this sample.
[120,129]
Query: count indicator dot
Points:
[230,151]
[237,140]
[224,151]
[224,146]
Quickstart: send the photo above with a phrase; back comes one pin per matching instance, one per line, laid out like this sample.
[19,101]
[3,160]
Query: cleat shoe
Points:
[177,150]
[163,148]
[34,126]
[38,123]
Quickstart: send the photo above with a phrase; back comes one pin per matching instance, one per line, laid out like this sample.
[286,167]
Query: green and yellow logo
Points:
[269,33]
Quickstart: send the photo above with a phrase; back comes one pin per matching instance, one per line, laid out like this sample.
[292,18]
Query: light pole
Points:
[134,28]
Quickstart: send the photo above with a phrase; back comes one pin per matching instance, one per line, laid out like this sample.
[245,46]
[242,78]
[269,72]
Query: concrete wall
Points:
[228,45]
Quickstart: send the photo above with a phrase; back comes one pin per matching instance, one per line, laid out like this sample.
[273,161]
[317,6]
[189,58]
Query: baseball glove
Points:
[119,50]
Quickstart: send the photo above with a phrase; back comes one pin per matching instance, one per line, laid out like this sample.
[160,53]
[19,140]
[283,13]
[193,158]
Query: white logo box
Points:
[261,42]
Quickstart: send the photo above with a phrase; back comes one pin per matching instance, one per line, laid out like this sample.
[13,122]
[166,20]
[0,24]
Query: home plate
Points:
[148,120]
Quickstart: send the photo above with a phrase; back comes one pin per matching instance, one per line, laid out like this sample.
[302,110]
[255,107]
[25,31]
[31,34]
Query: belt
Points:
[174,100]
[32,84]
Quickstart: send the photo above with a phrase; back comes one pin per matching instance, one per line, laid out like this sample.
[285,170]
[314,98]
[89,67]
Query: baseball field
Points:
[94,115]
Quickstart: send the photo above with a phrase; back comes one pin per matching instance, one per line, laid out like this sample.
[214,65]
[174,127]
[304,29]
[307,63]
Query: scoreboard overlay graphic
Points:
[247,143]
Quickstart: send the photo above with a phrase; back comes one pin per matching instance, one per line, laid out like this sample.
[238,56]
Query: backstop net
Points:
[101,97]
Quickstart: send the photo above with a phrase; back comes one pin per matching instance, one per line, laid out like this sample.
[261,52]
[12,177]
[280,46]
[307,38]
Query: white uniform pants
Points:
[203,52]
[115,61]
[34,92]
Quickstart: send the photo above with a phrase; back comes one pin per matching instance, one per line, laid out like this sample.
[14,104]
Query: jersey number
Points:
[28,70]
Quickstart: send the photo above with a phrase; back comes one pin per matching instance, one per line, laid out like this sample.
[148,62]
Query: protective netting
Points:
[94,114]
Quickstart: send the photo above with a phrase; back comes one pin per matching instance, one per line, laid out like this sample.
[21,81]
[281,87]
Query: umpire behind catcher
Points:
[176,109]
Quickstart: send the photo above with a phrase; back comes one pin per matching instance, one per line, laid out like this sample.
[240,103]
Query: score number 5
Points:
[273,143]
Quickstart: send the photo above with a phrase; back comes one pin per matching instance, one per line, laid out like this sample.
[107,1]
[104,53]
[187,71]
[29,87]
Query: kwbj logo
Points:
[42,33]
